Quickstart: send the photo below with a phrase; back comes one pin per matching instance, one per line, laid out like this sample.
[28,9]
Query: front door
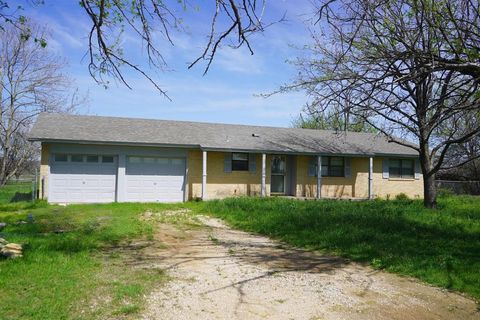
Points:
[277,184]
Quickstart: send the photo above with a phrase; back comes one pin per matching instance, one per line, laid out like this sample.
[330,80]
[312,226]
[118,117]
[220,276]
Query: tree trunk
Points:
[429,187]
[430,191]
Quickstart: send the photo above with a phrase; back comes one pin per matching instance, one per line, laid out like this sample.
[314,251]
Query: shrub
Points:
[445,192]
[401,197]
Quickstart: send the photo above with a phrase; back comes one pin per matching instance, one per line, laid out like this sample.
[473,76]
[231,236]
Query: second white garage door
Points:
[155,179]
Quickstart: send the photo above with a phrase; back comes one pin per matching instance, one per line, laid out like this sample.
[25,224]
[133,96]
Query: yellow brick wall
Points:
[44,171]
[219,183]
[390,187]
[332,187]
[357,185]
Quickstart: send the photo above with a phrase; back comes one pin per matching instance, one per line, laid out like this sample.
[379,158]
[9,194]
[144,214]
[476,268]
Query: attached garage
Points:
[154,179]
[77,178]
[102,174]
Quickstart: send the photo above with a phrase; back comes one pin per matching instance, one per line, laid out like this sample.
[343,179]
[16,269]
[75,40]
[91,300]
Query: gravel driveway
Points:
[220,273]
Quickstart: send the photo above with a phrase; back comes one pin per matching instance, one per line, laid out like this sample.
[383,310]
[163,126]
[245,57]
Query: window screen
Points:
[401,168]
[92,159]
[77,158]
[332,167]
[240,161]
[107,159]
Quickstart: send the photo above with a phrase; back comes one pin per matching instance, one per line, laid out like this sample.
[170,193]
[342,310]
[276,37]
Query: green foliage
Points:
[332,121]
[401,197]
[15,192]
[445,192]
[438,246]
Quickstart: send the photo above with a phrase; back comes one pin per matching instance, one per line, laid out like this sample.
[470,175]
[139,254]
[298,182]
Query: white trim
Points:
[121,171]
[264,175]
[319,177]
[204,175]
[186,189]
[370,178]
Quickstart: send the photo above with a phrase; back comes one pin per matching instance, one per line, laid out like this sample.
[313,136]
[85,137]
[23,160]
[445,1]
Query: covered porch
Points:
[271,174]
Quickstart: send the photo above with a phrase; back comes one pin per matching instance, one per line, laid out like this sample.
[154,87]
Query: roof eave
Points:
[115,143]
[313,153]
[196,146]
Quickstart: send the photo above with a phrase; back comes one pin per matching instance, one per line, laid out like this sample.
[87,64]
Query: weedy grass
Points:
[72,270]
[65,273]
[441,247]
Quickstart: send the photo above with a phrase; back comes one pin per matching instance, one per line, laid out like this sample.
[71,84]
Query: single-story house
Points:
[107,159]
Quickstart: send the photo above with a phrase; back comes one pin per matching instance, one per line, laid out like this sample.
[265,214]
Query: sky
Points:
[228,93]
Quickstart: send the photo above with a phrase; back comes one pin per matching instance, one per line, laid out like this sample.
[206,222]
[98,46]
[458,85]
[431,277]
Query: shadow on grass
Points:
[21,196]
[440,247]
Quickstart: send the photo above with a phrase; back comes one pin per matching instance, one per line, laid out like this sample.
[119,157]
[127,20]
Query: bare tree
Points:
[406,67]
[31,81]
[153,21]
[467,154]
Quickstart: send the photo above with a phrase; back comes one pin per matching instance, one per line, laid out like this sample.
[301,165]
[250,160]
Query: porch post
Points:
[122,160]
[370,178]
[319,177]
[204,175]
[263,191]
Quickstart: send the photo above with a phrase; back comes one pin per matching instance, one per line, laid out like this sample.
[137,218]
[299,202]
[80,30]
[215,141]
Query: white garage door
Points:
[78,178]
[154,179]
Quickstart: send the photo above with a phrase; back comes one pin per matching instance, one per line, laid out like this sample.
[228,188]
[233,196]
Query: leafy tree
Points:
[407,67]
[331,120]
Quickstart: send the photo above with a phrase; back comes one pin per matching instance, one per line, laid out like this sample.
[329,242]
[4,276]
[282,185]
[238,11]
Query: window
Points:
[177,162]
[336,167]
[239,161]
[61,158]
[401,168]
[332,167]
[278,165]
[148,160]
[134,159]
[76,158]
[92,159]
[162,160]
[107,159]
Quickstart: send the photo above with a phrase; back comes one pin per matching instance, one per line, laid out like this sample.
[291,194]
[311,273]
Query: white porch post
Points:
[122,161]
[319,177]
[263,191]
[370,178]
[204,175]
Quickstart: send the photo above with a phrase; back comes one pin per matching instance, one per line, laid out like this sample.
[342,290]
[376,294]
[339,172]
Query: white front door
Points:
[76,178]
[155,179]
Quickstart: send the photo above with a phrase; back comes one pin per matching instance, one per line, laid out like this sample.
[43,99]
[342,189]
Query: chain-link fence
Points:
[460,187]
[23,188]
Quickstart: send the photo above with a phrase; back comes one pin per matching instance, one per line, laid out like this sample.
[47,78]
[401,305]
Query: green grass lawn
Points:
[15,192]
[441,247]
[71,270]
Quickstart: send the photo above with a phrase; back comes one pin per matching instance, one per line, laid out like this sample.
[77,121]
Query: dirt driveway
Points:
[220,273]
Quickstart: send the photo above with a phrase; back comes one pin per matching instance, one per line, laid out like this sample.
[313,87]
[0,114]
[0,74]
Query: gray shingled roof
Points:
[209,136]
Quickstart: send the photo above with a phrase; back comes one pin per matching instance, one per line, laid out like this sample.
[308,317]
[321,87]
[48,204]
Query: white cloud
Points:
[239,60]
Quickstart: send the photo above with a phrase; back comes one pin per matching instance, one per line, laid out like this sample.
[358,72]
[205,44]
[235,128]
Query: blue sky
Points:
[226,94]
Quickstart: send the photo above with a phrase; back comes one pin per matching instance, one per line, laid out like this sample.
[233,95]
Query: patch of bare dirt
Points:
[220,273]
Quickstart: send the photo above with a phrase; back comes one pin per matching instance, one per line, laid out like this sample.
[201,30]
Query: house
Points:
[106,159]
